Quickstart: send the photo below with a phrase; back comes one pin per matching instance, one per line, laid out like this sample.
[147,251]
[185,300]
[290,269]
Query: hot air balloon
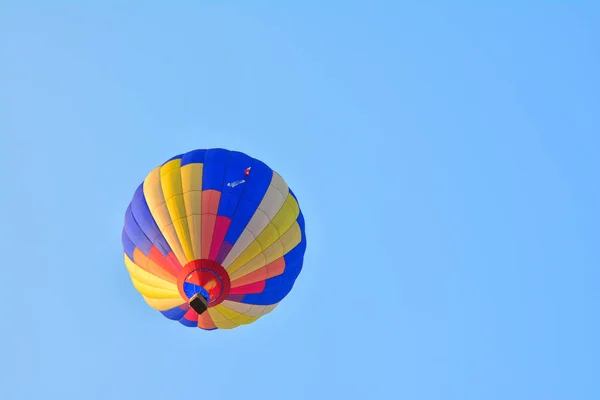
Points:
[213,239]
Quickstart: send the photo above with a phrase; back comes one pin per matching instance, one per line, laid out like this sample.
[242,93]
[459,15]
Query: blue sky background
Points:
[446,159]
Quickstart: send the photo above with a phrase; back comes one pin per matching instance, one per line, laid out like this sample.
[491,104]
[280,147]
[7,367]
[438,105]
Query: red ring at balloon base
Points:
[208,274]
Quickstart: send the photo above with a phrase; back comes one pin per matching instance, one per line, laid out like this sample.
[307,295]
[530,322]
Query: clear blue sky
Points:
[446,160]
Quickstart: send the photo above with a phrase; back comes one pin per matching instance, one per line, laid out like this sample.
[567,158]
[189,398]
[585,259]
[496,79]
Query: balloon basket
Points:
[199,303]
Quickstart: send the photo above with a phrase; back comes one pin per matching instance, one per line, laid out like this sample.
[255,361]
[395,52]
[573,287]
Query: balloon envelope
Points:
[213,239]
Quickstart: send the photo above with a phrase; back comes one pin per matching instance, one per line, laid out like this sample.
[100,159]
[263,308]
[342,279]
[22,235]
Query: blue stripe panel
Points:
[215,162]
[296,255]
[278,287]
[128,245]
[190,290]
[142,215]
[302,226]
[135,233]
[175,313]
[195,156]
[237,164]
[256,187]
[188,323]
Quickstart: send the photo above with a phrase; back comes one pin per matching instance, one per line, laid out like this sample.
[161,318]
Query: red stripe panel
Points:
[268,271]
[252,288]
[205,321]
[169,263]
[221,227]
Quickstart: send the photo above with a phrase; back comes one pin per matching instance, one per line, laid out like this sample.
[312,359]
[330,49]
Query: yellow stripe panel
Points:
[158,208]
[281,223]
[153,292]
[219,320]
[234,316]
[257,262]
[191,182]
[149,285]
[163,304]
[284,219]
[252,310]
[281,247]
[170,180]
[146,278]
[290,240]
